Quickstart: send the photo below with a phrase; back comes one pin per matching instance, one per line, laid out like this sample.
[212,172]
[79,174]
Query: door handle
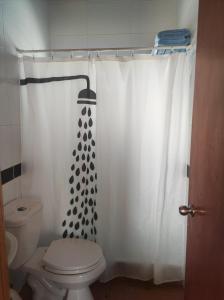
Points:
[191,211]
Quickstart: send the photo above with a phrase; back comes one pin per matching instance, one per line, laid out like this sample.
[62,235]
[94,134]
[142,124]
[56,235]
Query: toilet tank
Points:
[23,220]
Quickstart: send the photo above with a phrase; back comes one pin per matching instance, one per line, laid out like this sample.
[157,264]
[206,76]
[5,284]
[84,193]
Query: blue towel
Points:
[174,34]
[177,37]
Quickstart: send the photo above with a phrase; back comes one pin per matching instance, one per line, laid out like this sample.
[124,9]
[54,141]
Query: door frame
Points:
[4,280]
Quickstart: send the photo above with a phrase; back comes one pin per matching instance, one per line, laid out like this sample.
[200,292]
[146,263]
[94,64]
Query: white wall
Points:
[26,23]
[109,23]
[188,15]
[23,23]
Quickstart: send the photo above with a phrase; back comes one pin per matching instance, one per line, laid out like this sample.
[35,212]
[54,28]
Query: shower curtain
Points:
[139,148]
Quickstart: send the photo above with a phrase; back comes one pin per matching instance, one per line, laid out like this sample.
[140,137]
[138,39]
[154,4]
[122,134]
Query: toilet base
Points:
[83,294]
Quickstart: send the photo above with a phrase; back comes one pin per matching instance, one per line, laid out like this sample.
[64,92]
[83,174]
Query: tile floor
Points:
[127,289]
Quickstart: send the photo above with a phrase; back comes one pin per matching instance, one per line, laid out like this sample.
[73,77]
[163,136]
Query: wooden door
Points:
[4,283]
[205,248]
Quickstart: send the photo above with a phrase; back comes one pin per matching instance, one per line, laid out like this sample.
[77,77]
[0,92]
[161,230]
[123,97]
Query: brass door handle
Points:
[191,210]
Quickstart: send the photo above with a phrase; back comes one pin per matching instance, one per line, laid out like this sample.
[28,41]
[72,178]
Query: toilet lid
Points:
[71,255]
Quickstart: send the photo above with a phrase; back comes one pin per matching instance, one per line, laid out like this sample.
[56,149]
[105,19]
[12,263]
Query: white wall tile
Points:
[11,190]
[108,18]
[68,41]
[125,23]
[68,18]
[10,146]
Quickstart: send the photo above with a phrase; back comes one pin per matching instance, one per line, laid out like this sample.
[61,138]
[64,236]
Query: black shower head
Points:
[87,94]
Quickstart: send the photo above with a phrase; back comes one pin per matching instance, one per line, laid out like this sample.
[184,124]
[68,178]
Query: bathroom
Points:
[97,149]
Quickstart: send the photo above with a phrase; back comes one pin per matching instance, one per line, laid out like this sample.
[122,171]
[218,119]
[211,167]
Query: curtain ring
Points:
[71,54]
[98,54]
[116,53]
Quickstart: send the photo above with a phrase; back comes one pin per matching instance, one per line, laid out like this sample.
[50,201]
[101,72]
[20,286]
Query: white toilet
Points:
[65,269]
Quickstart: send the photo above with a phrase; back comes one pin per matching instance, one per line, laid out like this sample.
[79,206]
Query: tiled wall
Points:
[23,24]
[109,23]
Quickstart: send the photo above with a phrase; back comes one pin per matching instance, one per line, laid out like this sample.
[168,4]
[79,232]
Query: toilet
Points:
[64,269]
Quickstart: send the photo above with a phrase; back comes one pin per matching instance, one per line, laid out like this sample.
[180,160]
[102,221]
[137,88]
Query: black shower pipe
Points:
[52,79]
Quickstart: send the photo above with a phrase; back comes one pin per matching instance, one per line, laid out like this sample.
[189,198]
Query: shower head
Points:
[87,94]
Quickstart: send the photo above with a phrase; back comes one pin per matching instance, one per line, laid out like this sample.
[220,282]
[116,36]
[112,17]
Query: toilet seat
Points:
[72,256]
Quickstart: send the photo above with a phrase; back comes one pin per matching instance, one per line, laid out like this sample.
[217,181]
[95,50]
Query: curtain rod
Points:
[102,49]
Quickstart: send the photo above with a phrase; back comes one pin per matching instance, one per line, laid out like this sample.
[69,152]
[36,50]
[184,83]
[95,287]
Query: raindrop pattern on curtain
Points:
[81,215]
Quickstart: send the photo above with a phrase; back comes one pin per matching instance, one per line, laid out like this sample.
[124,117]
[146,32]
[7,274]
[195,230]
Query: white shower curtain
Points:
[142,122]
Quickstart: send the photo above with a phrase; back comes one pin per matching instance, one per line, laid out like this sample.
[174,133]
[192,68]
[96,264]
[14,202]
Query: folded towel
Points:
[174,34]
[176,37]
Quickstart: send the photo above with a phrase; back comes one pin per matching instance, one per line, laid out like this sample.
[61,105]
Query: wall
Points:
[23,24]
[106,23]
[187,15]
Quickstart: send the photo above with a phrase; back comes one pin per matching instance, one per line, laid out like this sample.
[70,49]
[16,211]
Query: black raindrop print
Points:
[95,216]
[77,172]
[65,233]
[80,146]
[78,186]
[84,111]
[77,226]
[85,137]
[89,135]
[90,122]
[81,214]
[83,167]
[71,179]
[75,211]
